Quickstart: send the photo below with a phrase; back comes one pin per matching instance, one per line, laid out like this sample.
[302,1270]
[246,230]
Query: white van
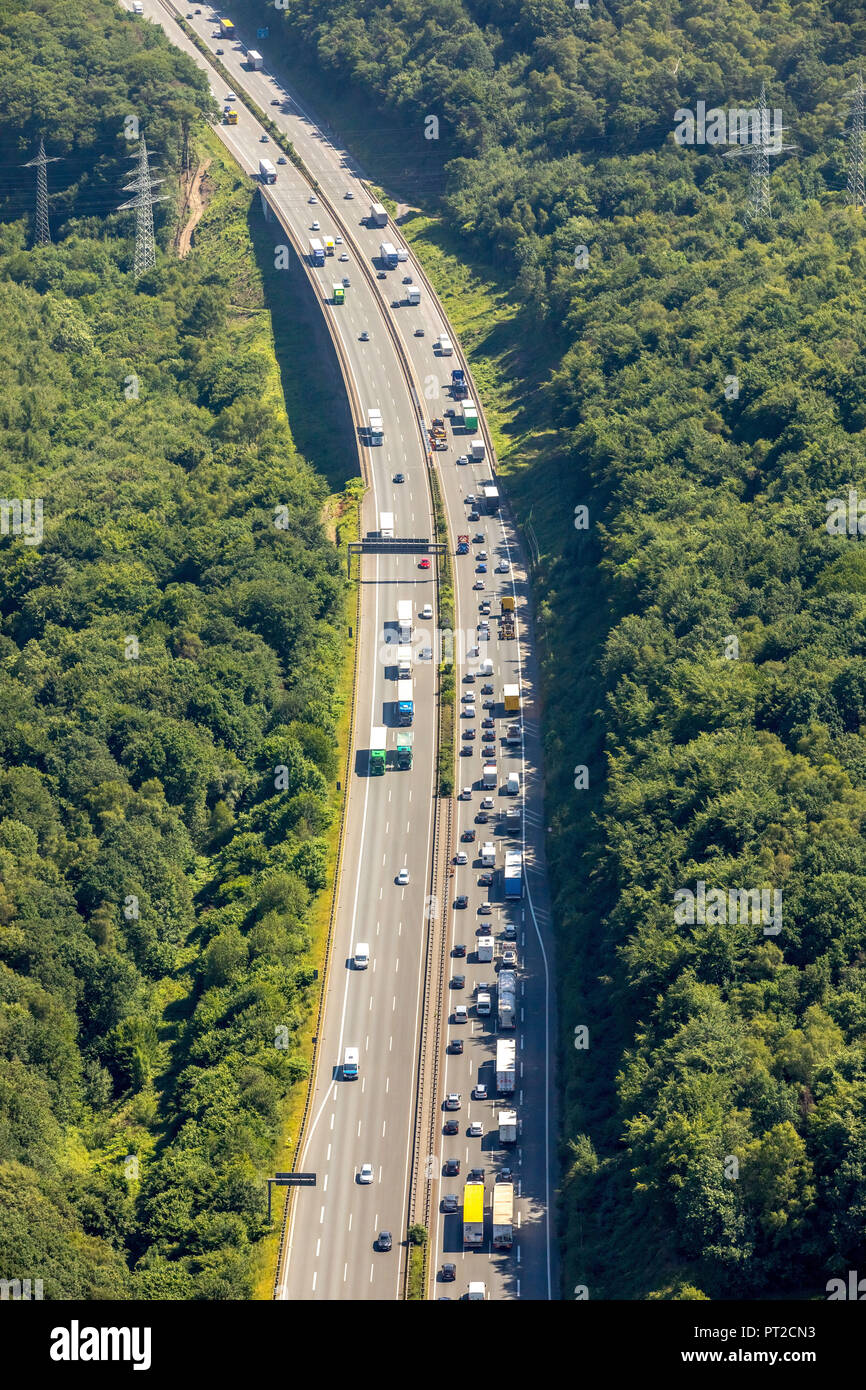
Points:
[486,667]
[476,1291]
[350,1064]
[482,1002]
[512,786]
[362,955]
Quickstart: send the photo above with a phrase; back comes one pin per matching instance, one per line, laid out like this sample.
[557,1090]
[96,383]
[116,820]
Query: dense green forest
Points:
[705,396]
[172,639]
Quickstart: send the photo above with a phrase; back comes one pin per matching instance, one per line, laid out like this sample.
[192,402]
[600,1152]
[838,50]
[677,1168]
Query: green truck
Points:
[378,751]
[404,747]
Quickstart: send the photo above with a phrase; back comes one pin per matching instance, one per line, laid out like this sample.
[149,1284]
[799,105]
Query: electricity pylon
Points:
[142,186]
[855,189]
[43,230]
[759,149]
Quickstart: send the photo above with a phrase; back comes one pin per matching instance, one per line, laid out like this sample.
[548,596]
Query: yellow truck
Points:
[473,1215]
[511,698]
[231,117]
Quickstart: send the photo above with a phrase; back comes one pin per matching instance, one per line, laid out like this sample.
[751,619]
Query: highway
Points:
[332,1250]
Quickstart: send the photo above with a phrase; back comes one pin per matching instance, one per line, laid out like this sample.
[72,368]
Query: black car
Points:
[380,275]
[482,818]
[488,723]
[468,835]
[504,1175]
[452,1167]
[220,52]
[478,540]
[476,1175]
[466,751]
[407,279]
[451,1127]
[488,704]
[459,949]
[469,678]
[398,478]
[485,880]
[458,981]
[449,1272]
[488,736]
[468,733]
[473,516]
[462,900]
[276,101]
[456,1046]
[384,1241]
[487,690]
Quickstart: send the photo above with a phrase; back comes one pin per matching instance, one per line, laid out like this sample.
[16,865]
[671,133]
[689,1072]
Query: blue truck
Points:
[405,705]
[459,389]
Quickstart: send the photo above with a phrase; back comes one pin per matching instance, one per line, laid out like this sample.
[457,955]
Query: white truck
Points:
[503,1215]
[255,61]
[488,855]
[267,171]
[404,663]
[444,344]
[506,989]
[413,295]
[484,948]
[386,525]
[476,450]
[507,1126]
[374,417]
[388,255]
[488,776]
[512,733]
[404,619]
[378,215]
[506,1065]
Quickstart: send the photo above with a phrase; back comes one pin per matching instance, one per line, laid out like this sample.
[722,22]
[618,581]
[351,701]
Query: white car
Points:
[314,226]
[476,1129]
[461,857]
[479,584]
[427,611]
[366,1173]
[480,1092]
[312,198]
[403,877]
[230,96]
[338,241]
[487,803]
[350,194]
[466,795]
[468,698]
[343,256]
[502,567]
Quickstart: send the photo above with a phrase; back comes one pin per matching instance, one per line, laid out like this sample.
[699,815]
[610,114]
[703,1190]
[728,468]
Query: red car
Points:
[424,564]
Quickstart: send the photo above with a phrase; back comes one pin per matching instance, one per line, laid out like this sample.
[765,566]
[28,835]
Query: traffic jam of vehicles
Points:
[479,1172]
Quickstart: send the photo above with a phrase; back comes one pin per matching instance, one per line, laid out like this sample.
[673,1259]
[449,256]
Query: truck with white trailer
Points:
[386,525]
[404,619]
[507,1126]
[506,1065]
[267,171]
[488,855]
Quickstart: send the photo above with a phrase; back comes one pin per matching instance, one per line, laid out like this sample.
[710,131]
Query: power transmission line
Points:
[759,149]
[143,185]
[43,231]
[856,191]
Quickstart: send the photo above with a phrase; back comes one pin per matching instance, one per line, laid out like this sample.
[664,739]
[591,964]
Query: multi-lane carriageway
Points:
[330,1252]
